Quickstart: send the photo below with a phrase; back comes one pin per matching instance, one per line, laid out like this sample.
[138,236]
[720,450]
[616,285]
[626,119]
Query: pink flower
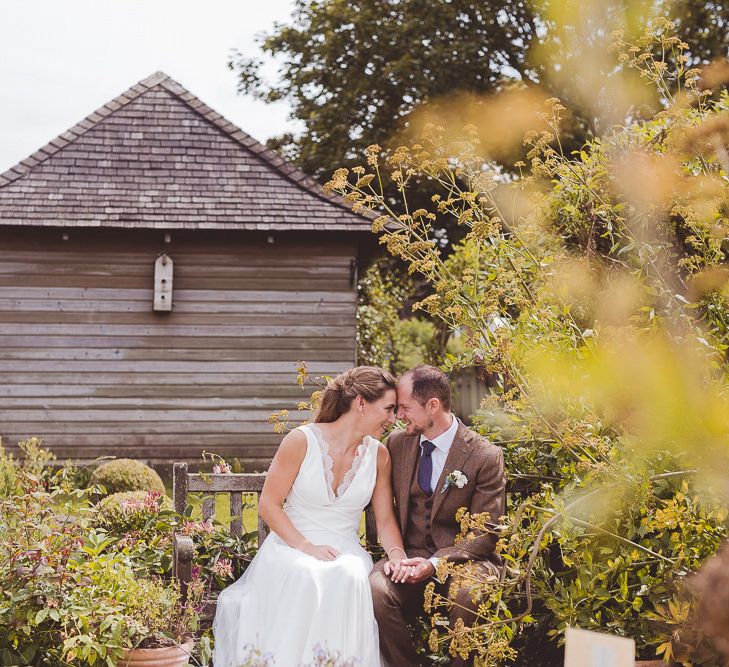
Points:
[221,468]
[197,527]
[132,505]
[223,568]
[126,541]
[151,502]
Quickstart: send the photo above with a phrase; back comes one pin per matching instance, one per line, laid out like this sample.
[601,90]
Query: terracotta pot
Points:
[171,656]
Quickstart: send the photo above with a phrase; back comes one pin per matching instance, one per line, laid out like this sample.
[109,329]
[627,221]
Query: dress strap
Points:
[308,434]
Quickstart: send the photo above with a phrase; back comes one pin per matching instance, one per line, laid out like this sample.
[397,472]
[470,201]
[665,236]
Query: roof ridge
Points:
[160,78]
[270,157]
[84,125]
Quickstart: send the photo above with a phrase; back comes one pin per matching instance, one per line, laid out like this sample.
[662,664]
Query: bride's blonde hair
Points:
[369,382]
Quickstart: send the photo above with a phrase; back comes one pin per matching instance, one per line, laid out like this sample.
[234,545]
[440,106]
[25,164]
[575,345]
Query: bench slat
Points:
[208,506]
[236,513]
[262,531]
[243,482]
[370,527]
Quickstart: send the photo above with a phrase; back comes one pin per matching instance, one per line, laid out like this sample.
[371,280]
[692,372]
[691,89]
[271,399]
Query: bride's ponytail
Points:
[370,382]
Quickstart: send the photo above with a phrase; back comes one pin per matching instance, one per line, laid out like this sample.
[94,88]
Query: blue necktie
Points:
[425,469]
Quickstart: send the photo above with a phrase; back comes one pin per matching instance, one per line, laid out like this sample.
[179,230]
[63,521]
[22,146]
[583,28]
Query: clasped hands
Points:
[409,570]
[401,570]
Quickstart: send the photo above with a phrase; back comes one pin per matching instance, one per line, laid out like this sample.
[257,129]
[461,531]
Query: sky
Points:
[60,60]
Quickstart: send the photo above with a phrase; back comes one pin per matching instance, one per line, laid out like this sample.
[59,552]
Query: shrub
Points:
[32,464]
[156,615]
[117,609]
[383,338]
[127,475]
[44,534]
[128,511]
[72,594]
[8,473]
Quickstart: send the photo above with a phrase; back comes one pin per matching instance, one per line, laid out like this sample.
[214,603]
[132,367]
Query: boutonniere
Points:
[456,478]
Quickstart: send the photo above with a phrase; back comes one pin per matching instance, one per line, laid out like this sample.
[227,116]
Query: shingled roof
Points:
[158,157]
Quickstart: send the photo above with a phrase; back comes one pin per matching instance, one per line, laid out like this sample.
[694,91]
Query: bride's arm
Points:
[383,506]
[281,475]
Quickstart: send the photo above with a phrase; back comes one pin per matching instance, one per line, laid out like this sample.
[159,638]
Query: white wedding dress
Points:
[291,605]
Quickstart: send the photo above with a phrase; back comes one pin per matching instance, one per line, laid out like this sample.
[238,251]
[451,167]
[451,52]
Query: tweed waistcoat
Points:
[417,538]
[482,463]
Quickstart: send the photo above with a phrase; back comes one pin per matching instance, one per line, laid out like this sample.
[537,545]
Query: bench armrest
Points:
[183,552]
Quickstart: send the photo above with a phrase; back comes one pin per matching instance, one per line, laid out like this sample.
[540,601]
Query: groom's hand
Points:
[420,569]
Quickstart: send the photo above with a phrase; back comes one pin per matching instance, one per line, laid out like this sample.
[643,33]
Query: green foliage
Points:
[595,287]
[128,511]
[127,475]
[113,608]
[421,343]
[33,462]
[46,538]
[631,559]
[384,337]
[220,557]
[7,473]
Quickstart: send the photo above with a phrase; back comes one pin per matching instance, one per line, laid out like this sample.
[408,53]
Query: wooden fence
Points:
[469,386]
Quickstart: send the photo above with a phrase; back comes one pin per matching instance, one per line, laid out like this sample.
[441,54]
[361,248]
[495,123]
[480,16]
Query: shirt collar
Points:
[444,441]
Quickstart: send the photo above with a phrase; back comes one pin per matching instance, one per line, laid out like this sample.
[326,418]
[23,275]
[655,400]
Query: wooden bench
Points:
[234,485]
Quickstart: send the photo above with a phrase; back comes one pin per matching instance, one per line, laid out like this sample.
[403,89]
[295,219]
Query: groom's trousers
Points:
[396,604]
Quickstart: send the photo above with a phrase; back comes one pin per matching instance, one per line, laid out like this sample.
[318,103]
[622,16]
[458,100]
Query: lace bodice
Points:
[328,464]
[312,503]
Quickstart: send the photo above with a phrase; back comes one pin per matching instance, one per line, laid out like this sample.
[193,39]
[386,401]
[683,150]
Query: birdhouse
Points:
[163,284]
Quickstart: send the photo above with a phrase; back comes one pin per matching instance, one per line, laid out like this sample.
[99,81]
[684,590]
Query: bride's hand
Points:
[319,551]
[396,570]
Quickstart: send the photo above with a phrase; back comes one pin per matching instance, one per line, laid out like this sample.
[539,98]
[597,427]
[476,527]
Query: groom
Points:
[426,459]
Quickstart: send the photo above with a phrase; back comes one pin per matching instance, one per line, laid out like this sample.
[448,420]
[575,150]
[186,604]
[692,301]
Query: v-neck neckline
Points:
[328,465]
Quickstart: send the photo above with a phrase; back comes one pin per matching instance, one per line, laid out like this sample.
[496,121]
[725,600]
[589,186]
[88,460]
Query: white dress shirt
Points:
[442,446]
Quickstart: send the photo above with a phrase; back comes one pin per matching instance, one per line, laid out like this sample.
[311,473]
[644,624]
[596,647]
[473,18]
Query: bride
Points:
[307,589]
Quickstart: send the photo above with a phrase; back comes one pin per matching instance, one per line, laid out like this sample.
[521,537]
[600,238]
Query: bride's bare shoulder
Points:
[383,456]
[293,445]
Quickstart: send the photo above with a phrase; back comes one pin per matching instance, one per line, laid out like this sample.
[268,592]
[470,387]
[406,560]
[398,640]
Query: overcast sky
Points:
[62,59]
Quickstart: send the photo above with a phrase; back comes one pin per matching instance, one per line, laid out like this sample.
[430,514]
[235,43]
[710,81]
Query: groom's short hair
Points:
[429,382]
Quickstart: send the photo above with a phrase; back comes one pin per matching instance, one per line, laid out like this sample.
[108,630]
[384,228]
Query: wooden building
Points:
[263,273]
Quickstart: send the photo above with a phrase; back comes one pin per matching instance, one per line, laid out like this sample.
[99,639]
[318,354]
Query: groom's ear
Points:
[433,405]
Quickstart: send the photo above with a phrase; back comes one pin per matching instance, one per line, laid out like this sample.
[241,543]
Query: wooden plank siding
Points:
[86,364]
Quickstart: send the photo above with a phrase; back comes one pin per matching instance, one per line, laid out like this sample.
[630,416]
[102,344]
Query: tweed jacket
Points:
[483,464]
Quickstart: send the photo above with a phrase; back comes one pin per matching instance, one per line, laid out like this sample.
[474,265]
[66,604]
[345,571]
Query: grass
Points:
[222,509]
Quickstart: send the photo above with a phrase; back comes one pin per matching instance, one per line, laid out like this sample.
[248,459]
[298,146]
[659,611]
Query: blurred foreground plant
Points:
[596,286]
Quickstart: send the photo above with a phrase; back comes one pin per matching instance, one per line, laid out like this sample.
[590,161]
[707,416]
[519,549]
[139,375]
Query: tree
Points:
[704,26]
[352,70]
[355,71]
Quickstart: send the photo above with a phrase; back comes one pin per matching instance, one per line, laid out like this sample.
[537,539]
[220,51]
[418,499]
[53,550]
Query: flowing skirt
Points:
[292,607]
